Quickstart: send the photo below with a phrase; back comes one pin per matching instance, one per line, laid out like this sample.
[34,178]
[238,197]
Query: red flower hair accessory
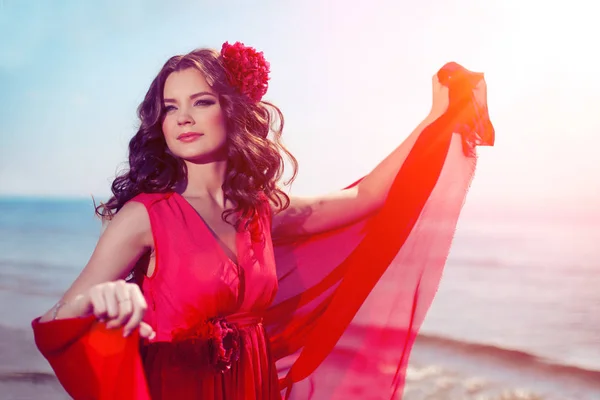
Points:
[247,70]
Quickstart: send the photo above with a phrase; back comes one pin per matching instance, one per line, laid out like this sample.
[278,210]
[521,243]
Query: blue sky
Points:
[353,79]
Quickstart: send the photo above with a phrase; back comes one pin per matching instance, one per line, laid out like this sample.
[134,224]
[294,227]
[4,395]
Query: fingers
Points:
[139,309]
[98,303]
[112,308]
[120,304]
[121,301]
[146,331]
[440,97]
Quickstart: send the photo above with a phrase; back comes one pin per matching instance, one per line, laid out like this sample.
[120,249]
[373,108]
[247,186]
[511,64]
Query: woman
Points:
[229,273]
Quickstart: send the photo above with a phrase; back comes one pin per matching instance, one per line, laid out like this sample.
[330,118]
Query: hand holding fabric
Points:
[119,304]
[440,95]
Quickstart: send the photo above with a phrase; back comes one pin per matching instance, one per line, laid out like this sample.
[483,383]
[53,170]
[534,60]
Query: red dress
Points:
[354,296]
[194,281]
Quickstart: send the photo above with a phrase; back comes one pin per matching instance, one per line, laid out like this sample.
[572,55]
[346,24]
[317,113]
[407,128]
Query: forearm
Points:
[63,309]
[378,182]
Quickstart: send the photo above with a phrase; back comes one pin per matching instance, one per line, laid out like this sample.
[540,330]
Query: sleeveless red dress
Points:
[339,314]
[195,281]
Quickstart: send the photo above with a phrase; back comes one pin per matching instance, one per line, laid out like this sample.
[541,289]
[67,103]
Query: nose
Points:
[184,118]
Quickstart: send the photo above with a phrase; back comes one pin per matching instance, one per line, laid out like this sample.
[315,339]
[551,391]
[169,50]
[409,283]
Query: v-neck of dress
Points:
[223,249]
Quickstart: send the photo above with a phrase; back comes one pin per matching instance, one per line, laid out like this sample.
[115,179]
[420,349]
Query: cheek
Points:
[168,133]
[216,120]
[168,127]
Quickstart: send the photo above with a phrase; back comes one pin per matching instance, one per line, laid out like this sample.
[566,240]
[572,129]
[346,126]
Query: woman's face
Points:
[193,122]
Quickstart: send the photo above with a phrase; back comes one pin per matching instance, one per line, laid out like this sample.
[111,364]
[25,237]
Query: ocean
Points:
[518,287]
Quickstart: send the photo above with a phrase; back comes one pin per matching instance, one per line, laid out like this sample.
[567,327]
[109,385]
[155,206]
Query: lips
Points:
[189,136]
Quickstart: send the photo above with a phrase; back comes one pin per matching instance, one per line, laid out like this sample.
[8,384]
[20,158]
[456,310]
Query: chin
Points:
[203,155]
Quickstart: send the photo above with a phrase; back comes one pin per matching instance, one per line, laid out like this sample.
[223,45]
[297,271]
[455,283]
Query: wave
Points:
[33,278]
[29,377]
[34,265]
[497,264]
[444,347]
[52,232]
[520,358]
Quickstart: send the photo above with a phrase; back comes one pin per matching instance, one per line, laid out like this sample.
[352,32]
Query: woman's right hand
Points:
[118,304]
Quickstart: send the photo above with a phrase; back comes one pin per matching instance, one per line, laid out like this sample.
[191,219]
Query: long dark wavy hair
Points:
[255,152]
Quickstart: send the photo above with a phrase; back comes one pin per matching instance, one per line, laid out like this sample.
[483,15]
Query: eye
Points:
[204,102]
[169,108]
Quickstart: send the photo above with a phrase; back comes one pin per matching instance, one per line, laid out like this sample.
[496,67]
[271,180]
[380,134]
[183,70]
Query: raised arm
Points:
[100,289]
[309,215]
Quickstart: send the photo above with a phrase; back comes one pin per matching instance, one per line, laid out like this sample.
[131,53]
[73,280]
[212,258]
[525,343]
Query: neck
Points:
[205,180]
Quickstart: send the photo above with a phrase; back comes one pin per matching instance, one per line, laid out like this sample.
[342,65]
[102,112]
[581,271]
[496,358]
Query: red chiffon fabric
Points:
[327,281]
[353,298]
[90,361]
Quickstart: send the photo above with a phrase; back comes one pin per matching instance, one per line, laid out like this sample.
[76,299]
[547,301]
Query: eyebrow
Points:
[192,97]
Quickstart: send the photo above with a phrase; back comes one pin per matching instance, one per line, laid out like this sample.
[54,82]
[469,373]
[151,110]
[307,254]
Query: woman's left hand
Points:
[440,98]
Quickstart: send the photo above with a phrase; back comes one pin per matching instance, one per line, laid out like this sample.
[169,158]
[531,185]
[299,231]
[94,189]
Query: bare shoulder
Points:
[132,222]
[125,238]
